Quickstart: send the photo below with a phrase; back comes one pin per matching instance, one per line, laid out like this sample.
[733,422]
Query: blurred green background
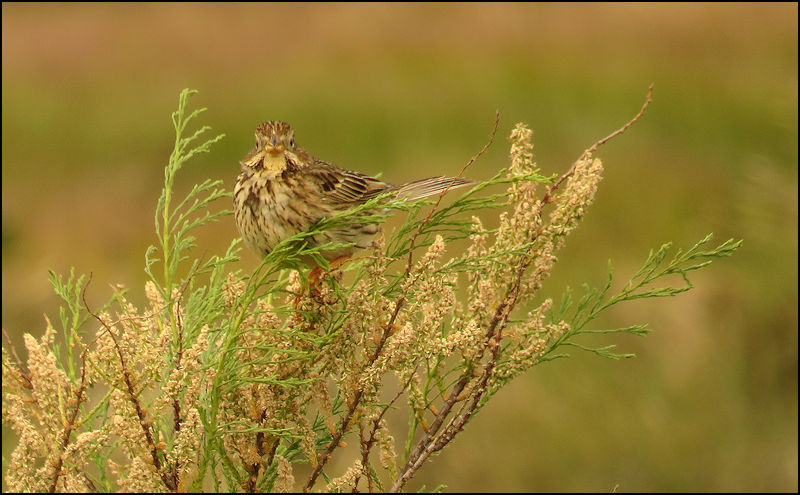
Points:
[710,404]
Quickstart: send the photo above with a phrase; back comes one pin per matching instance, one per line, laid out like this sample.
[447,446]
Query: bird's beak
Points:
[274,146]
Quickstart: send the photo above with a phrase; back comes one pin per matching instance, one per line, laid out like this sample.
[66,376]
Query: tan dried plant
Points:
[252,382]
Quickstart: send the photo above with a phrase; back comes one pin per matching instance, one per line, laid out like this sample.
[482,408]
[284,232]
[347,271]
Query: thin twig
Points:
[89,483]
[366,445]
[430,443]
[548,195]
[387,330]
[624,128]
[23,372]
[335,440]
[176,405]
[452,398]
[80,396]
[255,469]
[168,481]
[433,441]
[441,194]
[364,461]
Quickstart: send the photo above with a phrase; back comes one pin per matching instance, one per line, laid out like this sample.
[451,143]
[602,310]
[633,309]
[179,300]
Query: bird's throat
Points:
[275,164]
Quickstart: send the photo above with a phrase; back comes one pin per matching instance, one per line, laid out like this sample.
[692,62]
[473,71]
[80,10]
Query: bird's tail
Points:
[430,186]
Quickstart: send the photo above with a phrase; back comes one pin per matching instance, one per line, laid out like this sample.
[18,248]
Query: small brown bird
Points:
[283,190]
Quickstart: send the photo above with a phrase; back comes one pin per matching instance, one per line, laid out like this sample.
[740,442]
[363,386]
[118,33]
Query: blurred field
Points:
[710,404]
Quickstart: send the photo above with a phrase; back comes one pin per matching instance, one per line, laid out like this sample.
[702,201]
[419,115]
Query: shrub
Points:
[229,381]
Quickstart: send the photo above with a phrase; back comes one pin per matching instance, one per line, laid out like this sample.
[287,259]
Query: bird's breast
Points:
[271,209]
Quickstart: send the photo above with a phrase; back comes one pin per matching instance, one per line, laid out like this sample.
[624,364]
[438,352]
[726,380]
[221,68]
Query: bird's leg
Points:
[297,319]
[315,276]
[313,291]
[314,279]
[338,262]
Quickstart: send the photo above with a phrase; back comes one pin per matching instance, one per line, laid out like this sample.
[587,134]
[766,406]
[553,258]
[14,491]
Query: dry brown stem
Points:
[23,371]
[69,427]
[591,149]
[169,481]
[435,438]
[387,330]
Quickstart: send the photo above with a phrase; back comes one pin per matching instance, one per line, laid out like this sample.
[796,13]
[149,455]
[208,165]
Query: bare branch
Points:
[76,401]
[168,480]
[23,371]
[548,195]
[441,195]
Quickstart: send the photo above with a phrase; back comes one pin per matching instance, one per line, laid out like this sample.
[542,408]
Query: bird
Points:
[283,190]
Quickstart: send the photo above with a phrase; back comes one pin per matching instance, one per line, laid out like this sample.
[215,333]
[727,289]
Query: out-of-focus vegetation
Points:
[410,91]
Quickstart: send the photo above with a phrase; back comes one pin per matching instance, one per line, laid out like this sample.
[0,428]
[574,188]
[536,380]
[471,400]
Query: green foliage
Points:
[173,224]
[597,300]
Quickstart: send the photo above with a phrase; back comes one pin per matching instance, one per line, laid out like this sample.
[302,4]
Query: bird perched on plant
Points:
[283,191]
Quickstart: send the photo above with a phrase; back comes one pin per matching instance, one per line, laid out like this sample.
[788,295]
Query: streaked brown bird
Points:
[283,190]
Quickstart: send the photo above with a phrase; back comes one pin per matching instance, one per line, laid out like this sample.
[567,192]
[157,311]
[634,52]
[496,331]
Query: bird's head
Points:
[275,137]
[274,144]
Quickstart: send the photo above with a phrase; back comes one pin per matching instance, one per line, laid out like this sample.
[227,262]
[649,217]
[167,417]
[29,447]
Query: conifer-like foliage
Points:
[231,381]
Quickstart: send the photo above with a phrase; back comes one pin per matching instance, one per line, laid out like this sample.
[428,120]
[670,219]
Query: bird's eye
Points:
[291,142]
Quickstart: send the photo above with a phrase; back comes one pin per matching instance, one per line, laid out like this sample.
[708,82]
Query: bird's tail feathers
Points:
[430,186]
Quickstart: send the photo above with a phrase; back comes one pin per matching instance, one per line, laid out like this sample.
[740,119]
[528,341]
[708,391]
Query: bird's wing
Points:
[344,186]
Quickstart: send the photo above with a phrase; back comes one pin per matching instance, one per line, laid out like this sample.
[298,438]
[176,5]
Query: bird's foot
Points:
[315,277]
